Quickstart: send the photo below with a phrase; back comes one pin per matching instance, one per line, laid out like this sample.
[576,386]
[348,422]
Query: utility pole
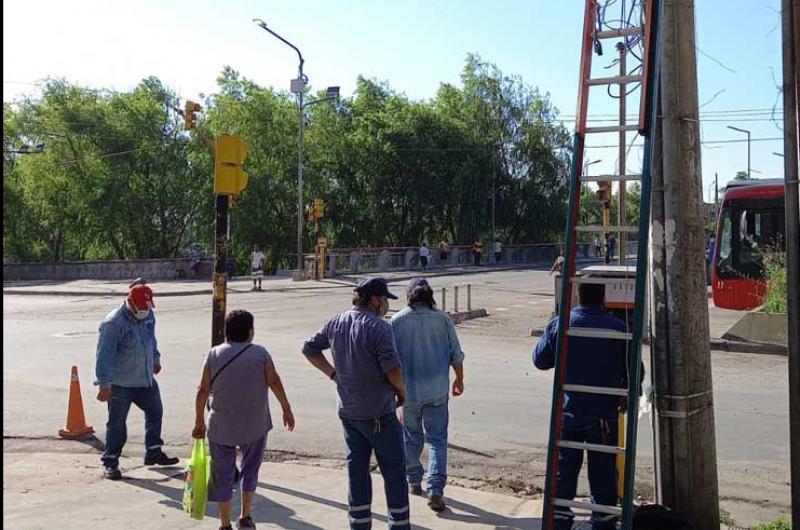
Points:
[790,14]
[219,303]
[622,217]
[686,460]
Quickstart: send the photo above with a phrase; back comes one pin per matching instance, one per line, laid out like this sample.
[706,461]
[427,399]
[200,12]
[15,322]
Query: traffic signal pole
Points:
[222,213]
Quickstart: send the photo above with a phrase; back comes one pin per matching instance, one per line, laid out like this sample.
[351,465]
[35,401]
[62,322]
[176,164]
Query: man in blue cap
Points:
[428,345]
[369,382]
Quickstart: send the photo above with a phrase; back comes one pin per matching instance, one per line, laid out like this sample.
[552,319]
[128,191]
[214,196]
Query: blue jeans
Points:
[147,398]
[427,422]
[385,437]
[602,469]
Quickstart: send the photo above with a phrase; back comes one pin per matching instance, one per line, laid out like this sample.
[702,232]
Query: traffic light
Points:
[189,114]
[604,193]
[229,177]
[318,209]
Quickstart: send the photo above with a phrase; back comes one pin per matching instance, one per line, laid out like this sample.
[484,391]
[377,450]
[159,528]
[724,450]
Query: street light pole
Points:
[298,87]
[748,145]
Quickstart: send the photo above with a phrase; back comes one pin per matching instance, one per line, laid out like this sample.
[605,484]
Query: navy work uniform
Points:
[589,418]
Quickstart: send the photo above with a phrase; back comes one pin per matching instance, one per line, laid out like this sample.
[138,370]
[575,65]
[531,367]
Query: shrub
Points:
[775,297]
[781,523]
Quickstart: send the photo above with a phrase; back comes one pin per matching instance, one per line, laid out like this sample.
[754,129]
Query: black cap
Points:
[374,287]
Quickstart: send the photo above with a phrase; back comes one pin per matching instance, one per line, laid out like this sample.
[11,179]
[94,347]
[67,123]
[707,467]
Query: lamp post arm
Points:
[322,100]
[263,25]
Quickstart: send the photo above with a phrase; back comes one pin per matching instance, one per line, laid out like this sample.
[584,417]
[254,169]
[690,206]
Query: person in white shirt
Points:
[498,251]
[423,256]
[256,267]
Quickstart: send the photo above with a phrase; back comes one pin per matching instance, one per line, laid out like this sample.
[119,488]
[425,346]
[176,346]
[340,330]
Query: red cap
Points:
[141,296]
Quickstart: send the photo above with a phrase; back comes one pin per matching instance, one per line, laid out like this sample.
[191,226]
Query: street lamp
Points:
[748,145]
[298,87]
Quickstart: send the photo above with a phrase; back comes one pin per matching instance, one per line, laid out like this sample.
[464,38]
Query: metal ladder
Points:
[592,35]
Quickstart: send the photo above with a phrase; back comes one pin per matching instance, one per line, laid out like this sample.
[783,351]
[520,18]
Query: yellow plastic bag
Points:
[198,473]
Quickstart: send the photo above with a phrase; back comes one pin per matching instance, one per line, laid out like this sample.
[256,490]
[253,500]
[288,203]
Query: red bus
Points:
[751,221]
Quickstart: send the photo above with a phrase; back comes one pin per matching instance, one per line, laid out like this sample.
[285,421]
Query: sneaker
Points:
[161,459]
[245,522]
[416,489]
[436,503]
[112,473]
[253,288]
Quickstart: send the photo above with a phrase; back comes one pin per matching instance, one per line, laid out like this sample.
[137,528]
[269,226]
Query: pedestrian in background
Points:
[428,346]
[477,252]
[424,253]
[612,245]
[127,360]
[586,417]
[256,267]
[369,383]
[558,262]
[598,248]
[444,252]
[234,383]
[498,251]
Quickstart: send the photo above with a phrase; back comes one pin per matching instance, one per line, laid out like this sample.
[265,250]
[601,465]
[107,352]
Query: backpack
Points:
[657,517]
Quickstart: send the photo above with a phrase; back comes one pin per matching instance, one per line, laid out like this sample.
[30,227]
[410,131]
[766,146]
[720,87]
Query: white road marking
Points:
[501,309]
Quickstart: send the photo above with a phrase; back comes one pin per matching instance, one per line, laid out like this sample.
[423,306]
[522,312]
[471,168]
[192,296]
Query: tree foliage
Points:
[119,178]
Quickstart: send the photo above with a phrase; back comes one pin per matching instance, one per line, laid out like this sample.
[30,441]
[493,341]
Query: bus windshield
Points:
[748,229]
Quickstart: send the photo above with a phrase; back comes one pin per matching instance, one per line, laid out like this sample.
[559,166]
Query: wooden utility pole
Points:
[686,460]
[790,14]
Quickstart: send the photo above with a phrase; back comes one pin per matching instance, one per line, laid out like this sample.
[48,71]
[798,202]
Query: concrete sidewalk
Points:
[239,284]
[65,490]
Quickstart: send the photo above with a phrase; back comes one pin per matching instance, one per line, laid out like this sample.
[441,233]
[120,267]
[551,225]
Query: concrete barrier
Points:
[151,269]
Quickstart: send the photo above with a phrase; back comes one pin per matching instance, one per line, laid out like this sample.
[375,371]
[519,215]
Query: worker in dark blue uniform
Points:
[589,418]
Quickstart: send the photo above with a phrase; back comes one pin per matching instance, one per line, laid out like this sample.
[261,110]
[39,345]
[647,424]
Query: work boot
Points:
[161,459]
[436,503]
[112,473]
[416,489]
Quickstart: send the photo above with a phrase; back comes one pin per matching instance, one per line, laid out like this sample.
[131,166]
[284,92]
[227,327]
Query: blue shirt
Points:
[428,345]
[363,351]
[126,349]
[590,361]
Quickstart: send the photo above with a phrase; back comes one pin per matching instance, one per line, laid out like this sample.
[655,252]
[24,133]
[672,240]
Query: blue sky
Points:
[414,45]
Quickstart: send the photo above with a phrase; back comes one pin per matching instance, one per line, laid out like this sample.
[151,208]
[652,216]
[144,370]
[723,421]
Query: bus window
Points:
[724,242]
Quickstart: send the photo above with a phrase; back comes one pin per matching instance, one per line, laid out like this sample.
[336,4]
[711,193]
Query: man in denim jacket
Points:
[428,346]
[127,359]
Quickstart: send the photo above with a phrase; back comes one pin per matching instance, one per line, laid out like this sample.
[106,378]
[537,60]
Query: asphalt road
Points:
[498,427]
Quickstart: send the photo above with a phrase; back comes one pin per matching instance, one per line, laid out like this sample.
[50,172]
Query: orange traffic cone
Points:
[76,422]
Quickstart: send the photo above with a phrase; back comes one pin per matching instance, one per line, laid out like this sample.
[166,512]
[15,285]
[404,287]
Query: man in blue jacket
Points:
[589,418]
[428,346]
[127,359]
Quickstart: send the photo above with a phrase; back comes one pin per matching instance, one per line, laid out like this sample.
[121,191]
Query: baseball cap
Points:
[374,287]
[141,296]
[418,283]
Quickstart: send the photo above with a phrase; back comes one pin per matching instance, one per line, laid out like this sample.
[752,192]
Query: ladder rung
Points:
[607,178]
[602,508]
[615,80]
[603,390]
[604,280]
[598,333]
[566,444]
[612,128]
[600,228]
[616,33]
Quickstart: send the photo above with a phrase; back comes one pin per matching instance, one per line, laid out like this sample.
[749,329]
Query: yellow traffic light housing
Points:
[229,177]
[189,114]
[604,193]
[318,209]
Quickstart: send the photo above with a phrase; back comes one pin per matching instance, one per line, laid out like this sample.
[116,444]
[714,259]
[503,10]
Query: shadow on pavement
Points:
[263,510]
[328,502]
[477,515]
